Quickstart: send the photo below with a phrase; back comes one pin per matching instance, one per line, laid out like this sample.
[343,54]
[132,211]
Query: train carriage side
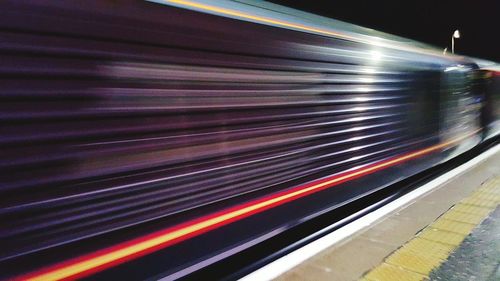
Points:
[162,140]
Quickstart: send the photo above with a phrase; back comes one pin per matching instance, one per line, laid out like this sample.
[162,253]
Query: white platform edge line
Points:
[287,262]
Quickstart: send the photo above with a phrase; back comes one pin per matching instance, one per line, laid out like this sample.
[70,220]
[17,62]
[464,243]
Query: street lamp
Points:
[456,34]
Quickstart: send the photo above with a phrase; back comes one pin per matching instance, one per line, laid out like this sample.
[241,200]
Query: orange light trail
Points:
[120,253]
[243,15]
[297,26]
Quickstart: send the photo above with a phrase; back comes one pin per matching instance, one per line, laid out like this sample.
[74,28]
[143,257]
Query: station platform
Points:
[449,232]
[462,244]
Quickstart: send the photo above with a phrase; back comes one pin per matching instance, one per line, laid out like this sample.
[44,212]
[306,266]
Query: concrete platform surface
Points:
[477,258]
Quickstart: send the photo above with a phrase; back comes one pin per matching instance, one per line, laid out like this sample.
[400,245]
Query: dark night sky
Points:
[431,22]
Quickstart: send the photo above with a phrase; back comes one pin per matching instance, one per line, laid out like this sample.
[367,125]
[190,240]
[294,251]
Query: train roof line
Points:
[305,22]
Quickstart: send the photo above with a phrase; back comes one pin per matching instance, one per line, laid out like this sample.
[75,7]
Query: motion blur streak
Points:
[166,120]
[260,19]
[120,253]
[376,41]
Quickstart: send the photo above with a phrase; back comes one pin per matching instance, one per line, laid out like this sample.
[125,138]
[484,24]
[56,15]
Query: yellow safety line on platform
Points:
[424,253]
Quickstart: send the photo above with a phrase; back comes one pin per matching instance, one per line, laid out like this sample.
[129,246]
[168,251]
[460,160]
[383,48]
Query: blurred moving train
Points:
[153,139]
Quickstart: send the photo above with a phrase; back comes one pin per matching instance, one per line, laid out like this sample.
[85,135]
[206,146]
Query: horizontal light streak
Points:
[108,257]
[375,41]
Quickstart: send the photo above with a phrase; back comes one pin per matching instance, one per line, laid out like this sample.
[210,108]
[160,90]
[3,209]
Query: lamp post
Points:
[456,34]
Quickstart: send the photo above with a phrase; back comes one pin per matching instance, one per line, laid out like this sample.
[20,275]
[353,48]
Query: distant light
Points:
[359,109]
[370,70]
[361,99]
[459,67]
[363,89]
[375,55]
[357,119]
[456,34]
[367,80]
